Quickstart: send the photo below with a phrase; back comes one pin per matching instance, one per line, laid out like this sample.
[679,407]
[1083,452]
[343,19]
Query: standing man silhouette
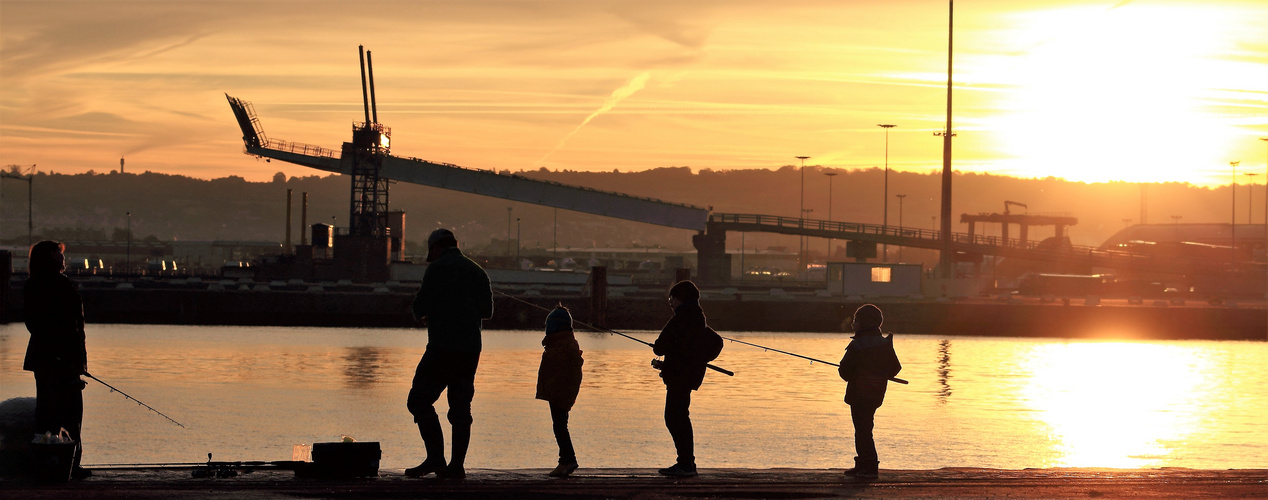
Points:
[455,298]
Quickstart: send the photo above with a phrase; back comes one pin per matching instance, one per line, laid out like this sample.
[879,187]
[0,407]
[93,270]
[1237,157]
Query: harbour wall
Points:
[391,308]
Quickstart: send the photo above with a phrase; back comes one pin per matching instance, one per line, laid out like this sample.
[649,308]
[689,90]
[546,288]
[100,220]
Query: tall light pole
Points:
[1265,139]
[805,214]
[946,259]
[801,213]
[830,176]
[128,262]
[900,222]
[885,193]
[1233,226]
[1176,218]
[1250,197]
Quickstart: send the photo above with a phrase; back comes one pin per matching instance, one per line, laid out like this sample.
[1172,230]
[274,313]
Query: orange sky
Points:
[1085,90]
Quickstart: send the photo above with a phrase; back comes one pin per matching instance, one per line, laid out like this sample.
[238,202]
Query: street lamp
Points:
[830,176]
[885,194]
[805,214]
[1265,221]
[1250,197]
[1176,218]
[801,241]
[128,262]
[1265,139]
[900,222]
[1233,225]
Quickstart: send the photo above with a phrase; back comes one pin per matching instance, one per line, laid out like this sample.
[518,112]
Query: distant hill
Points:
[174,207]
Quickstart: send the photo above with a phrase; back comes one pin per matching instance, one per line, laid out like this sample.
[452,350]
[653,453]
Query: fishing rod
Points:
[812,360]
[151,408]
[718,369]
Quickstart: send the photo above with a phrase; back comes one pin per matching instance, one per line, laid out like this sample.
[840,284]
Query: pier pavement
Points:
[646,484]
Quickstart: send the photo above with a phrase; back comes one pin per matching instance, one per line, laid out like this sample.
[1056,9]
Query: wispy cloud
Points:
[634,85]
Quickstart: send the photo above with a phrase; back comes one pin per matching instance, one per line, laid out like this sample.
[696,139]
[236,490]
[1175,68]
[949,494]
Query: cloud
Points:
[634,85]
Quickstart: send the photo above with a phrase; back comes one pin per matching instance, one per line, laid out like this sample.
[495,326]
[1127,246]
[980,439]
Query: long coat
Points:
[55,317]
[456,298]
[559,377]
[676,342]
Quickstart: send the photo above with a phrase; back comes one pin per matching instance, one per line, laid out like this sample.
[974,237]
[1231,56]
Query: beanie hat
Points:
[440,240]
[868,317]
[440,236]
[558,320]
[685,291]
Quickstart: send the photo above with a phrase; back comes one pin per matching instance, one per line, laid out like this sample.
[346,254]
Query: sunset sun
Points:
[1133,93]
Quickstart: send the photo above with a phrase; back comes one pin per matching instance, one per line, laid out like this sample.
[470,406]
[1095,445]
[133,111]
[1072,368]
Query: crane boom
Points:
[474,181]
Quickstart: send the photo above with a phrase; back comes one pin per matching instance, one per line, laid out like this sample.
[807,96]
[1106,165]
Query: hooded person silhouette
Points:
[559,382]
[868,364]
[682,371]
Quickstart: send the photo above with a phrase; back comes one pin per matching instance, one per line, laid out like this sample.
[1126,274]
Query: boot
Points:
[564,469]
[864,469]
[434,441]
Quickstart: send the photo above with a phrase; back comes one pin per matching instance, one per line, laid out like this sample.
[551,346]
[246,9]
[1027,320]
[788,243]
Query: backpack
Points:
[707,345]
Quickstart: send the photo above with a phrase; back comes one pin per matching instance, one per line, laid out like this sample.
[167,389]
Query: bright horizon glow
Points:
[1129,63]
[1151,90]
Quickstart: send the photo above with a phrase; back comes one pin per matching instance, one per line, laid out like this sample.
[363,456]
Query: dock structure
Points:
[1024,221]
[965,244]
[645,483]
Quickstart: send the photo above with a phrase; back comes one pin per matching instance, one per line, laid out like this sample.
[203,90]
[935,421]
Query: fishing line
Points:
[151,408]
[605,330]
[812,360]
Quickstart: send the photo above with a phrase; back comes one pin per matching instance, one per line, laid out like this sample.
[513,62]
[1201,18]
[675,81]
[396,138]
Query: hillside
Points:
[94,205]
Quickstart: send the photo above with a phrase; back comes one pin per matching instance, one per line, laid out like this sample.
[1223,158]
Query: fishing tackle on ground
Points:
[718,369]
[151,408]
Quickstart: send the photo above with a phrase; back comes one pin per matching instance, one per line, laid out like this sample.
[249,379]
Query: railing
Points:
[300,148]
[961,241]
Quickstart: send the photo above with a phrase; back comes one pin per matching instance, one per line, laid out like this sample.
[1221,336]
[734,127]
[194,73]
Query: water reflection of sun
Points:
[1114,404]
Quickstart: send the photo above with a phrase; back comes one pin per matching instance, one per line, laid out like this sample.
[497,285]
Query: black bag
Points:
[707,345]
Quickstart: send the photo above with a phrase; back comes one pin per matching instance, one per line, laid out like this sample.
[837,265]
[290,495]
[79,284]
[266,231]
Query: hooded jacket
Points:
[675,343]
[559,376]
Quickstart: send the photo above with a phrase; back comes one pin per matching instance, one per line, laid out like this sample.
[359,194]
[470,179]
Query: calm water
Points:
[252,393]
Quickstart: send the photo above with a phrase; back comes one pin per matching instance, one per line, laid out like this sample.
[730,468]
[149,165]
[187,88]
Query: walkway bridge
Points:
[715,265]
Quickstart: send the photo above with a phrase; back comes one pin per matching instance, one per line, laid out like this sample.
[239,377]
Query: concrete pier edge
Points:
[646,483]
